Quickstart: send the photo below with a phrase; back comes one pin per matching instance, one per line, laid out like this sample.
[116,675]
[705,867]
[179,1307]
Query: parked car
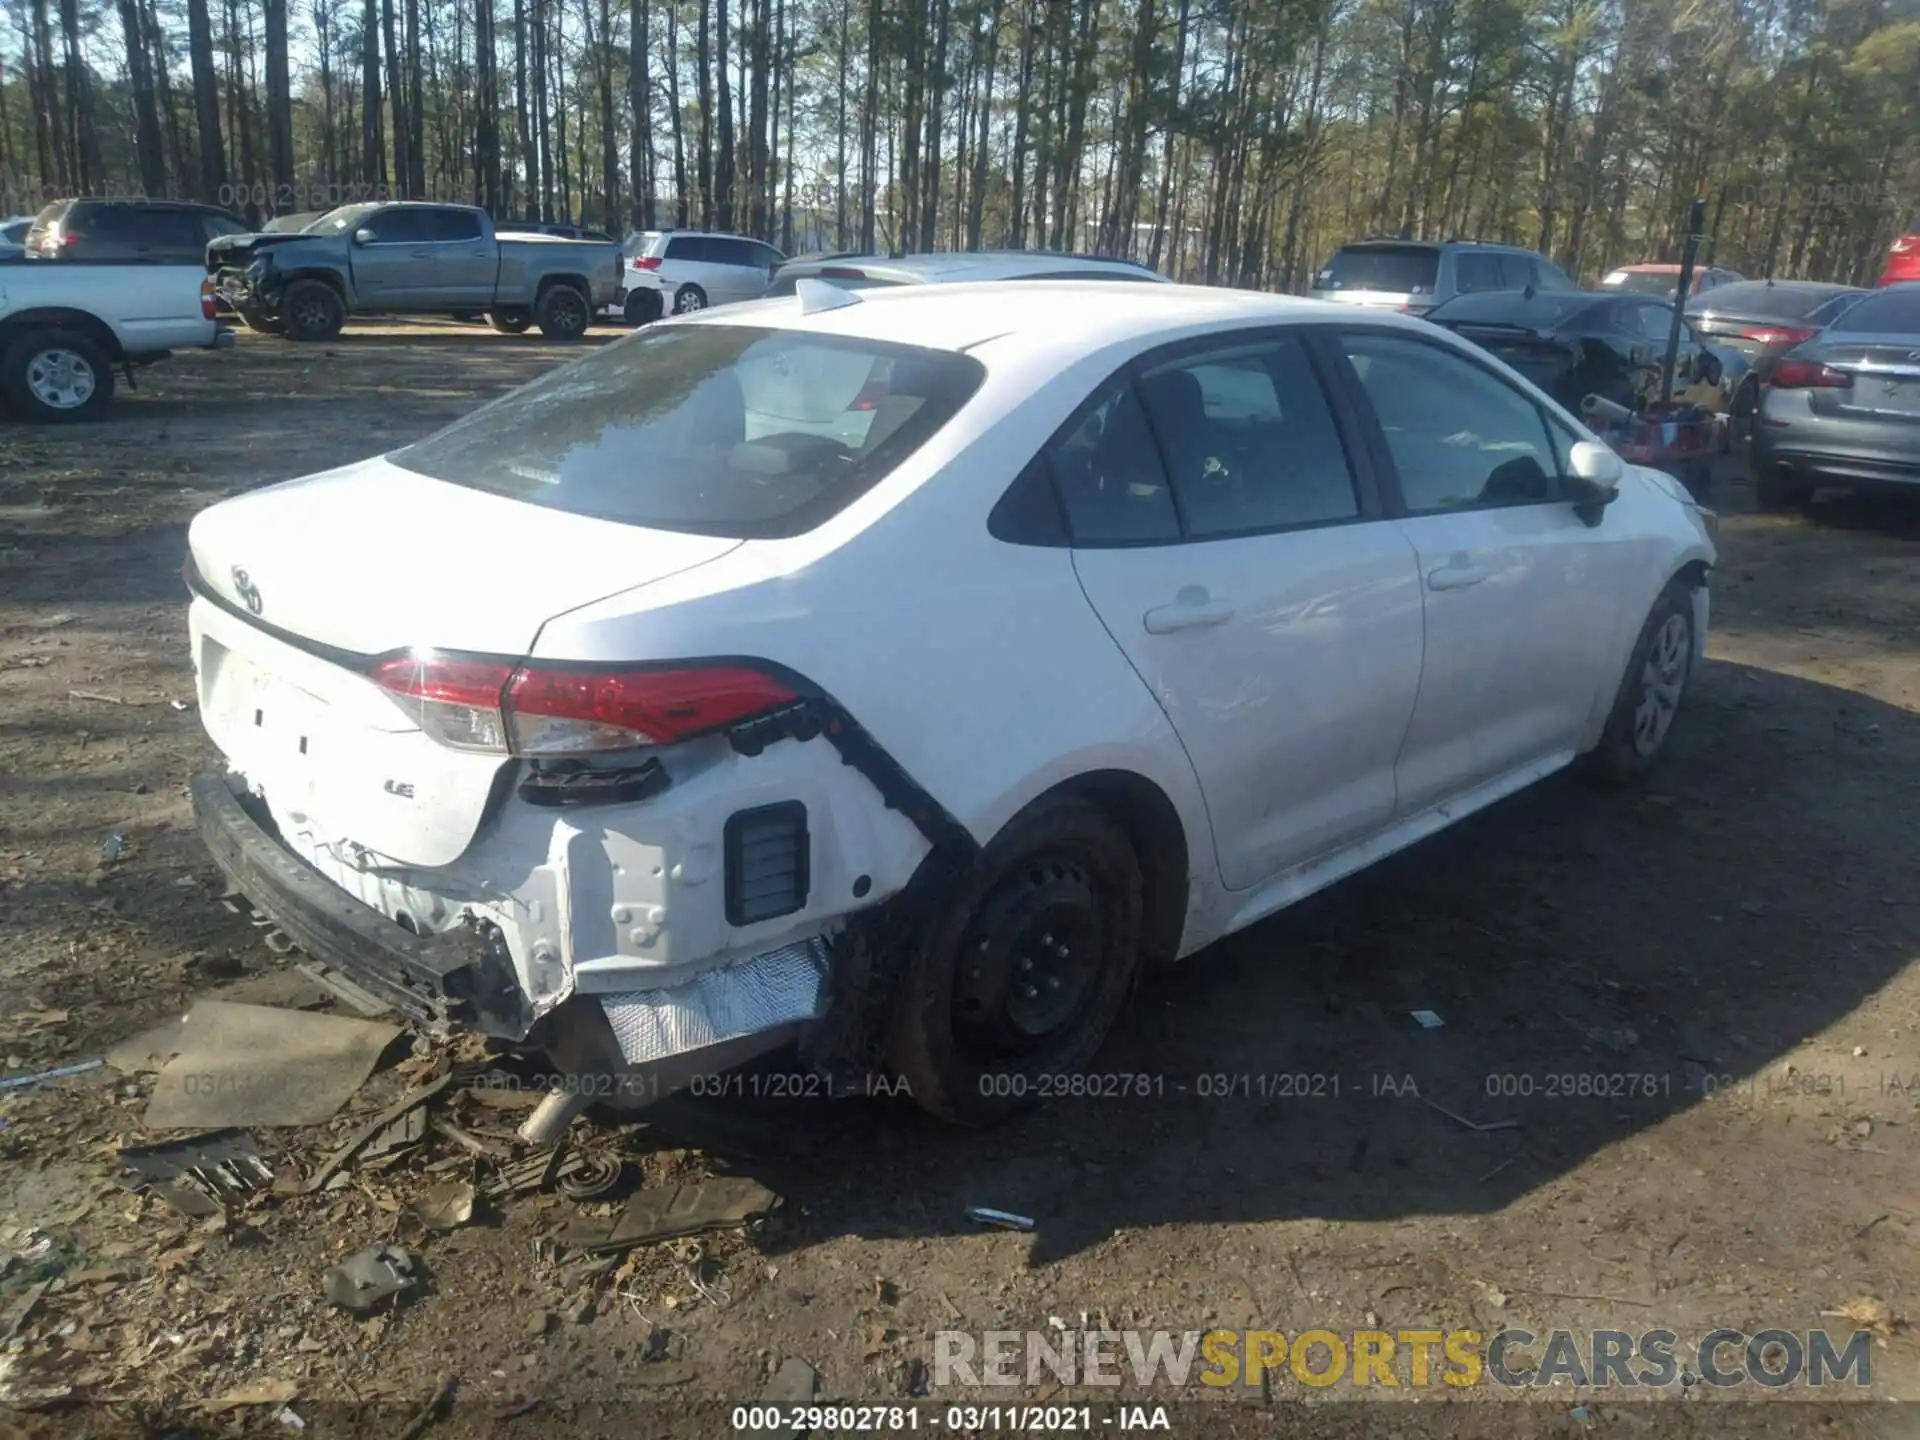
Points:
[13,237]
[1843,408]
[902,670]
[554,228]
[1763,319]
[1575,343]
[1416,275]
[861,272]
[153,232]
[65,328]
[1903,256]
[412,258]
[1664,280]
[680,271]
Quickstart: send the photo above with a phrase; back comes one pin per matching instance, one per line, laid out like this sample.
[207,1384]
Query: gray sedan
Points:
[1844,408]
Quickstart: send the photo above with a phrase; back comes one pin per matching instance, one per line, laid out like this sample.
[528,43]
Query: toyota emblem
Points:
[248,592]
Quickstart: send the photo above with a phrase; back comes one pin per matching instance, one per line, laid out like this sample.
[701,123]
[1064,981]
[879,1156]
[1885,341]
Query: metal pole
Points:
[1696,225]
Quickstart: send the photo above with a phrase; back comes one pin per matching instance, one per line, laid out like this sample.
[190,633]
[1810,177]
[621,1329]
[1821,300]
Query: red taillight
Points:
[646,262]
[1808,375]
[541,709]
[208,311]
[1776,334]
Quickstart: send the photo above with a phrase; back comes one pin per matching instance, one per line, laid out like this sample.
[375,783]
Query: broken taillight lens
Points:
[541,709]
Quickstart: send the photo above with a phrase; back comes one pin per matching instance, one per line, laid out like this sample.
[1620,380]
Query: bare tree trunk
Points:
[723,168]
[757,118]
[870,127]
[85,132]
[977,192]
[206,102]
[640,102]
[703,81]
[146,120]
[673,105]
[372,160]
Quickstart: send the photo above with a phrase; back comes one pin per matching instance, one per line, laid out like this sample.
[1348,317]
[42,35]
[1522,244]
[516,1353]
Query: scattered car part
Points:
[412,1100]
[403,1134]
[370,1277]
[147,1051]
[446,1206]
[596,1174]
[225,1164]
[21,1082]
[257,1065]
[720,1202]
[1005,1219]
[553,1115]
[344,989]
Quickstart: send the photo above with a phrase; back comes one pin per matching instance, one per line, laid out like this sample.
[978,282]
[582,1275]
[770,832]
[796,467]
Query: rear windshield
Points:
[1758,300]
[710,429]
[1541,311]
[1640,282]
[1885,312]
[1397,269]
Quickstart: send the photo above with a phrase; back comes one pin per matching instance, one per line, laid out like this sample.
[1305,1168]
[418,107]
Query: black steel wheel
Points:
[1025,971]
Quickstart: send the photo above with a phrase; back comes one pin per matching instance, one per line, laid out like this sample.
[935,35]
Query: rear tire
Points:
[562,313]
[1641,721]
[312,310]
[1026,968]
[1776,488]
[56,377]
[507,323]
[642,307]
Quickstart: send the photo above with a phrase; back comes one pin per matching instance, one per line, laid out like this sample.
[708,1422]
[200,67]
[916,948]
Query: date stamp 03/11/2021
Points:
[1544,1086]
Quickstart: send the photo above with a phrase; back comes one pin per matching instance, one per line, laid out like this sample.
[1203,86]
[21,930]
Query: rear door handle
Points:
[1455,576]
[1191,609]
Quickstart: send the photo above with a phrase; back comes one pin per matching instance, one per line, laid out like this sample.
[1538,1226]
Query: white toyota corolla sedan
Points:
[900,672]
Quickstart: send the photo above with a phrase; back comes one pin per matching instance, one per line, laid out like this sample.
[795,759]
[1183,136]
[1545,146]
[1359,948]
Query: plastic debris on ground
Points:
[1427,1019]
[199,1175]
[370,1277]
[721,1202]
[20,1082]
[255,1065]
[1005,1219]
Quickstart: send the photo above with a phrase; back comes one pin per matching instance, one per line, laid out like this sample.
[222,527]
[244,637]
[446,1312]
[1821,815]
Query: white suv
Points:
[680,271]
[904,669]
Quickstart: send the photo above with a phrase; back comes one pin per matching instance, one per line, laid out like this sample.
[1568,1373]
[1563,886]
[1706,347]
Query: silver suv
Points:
[1416,275]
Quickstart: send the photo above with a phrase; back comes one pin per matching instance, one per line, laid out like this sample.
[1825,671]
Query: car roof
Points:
[948,265]
[1090,314]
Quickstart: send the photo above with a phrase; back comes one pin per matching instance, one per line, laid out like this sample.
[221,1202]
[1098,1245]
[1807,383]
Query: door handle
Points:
[1191,609]
[1455,576]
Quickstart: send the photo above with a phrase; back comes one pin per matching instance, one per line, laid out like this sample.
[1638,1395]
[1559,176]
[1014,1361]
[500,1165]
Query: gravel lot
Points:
[1740,937]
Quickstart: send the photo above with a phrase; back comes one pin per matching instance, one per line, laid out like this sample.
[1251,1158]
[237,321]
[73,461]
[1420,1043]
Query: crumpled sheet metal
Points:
[778,987]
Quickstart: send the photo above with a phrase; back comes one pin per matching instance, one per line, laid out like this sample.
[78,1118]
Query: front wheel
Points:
[57,376]
[1643,712]
[562,313]
[1021,977]
[312,310]
[689,298]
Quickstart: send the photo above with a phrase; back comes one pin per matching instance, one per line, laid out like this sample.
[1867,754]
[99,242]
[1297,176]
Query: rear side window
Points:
[1396,269]
[454,225]
[709,429]
[1249,441]
[1107,471]
[1885,312]
[1475,270]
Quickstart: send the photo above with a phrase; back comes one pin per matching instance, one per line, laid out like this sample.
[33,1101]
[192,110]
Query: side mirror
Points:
[1597,471]
[363,236]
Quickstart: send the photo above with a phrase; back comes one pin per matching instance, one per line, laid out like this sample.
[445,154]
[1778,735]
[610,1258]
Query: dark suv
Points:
[157,232]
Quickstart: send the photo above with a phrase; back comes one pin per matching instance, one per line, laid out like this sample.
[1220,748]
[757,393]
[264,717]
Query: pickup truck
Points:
[412,258]
[65,326]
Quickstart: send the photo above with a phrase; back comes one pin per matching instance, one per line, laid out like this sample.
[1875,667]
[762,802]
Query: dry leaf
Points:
[1870,1313]
[257,1392]
[169,1260]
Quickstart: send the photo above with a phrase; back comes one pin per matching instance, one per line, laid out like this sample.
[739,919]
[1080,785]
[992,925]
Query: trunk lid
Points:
[1886,377]
[314,576]
[1547,361]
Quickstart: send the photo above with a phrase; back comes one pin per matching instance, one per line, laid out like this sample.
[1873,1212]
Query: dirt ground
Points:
[1741,934]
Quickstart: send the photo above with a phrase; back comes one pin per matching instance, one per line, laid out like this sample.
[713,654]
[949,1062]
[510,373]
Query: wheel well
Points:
[51,317]
[1159,842]
[1693,574]
[574,282]
[325,277]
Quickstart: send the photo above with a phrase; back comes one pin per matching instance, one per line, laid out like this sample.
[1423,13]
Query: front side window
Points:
[1249,441]
[709,429]
[1459,437]
[400,227]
